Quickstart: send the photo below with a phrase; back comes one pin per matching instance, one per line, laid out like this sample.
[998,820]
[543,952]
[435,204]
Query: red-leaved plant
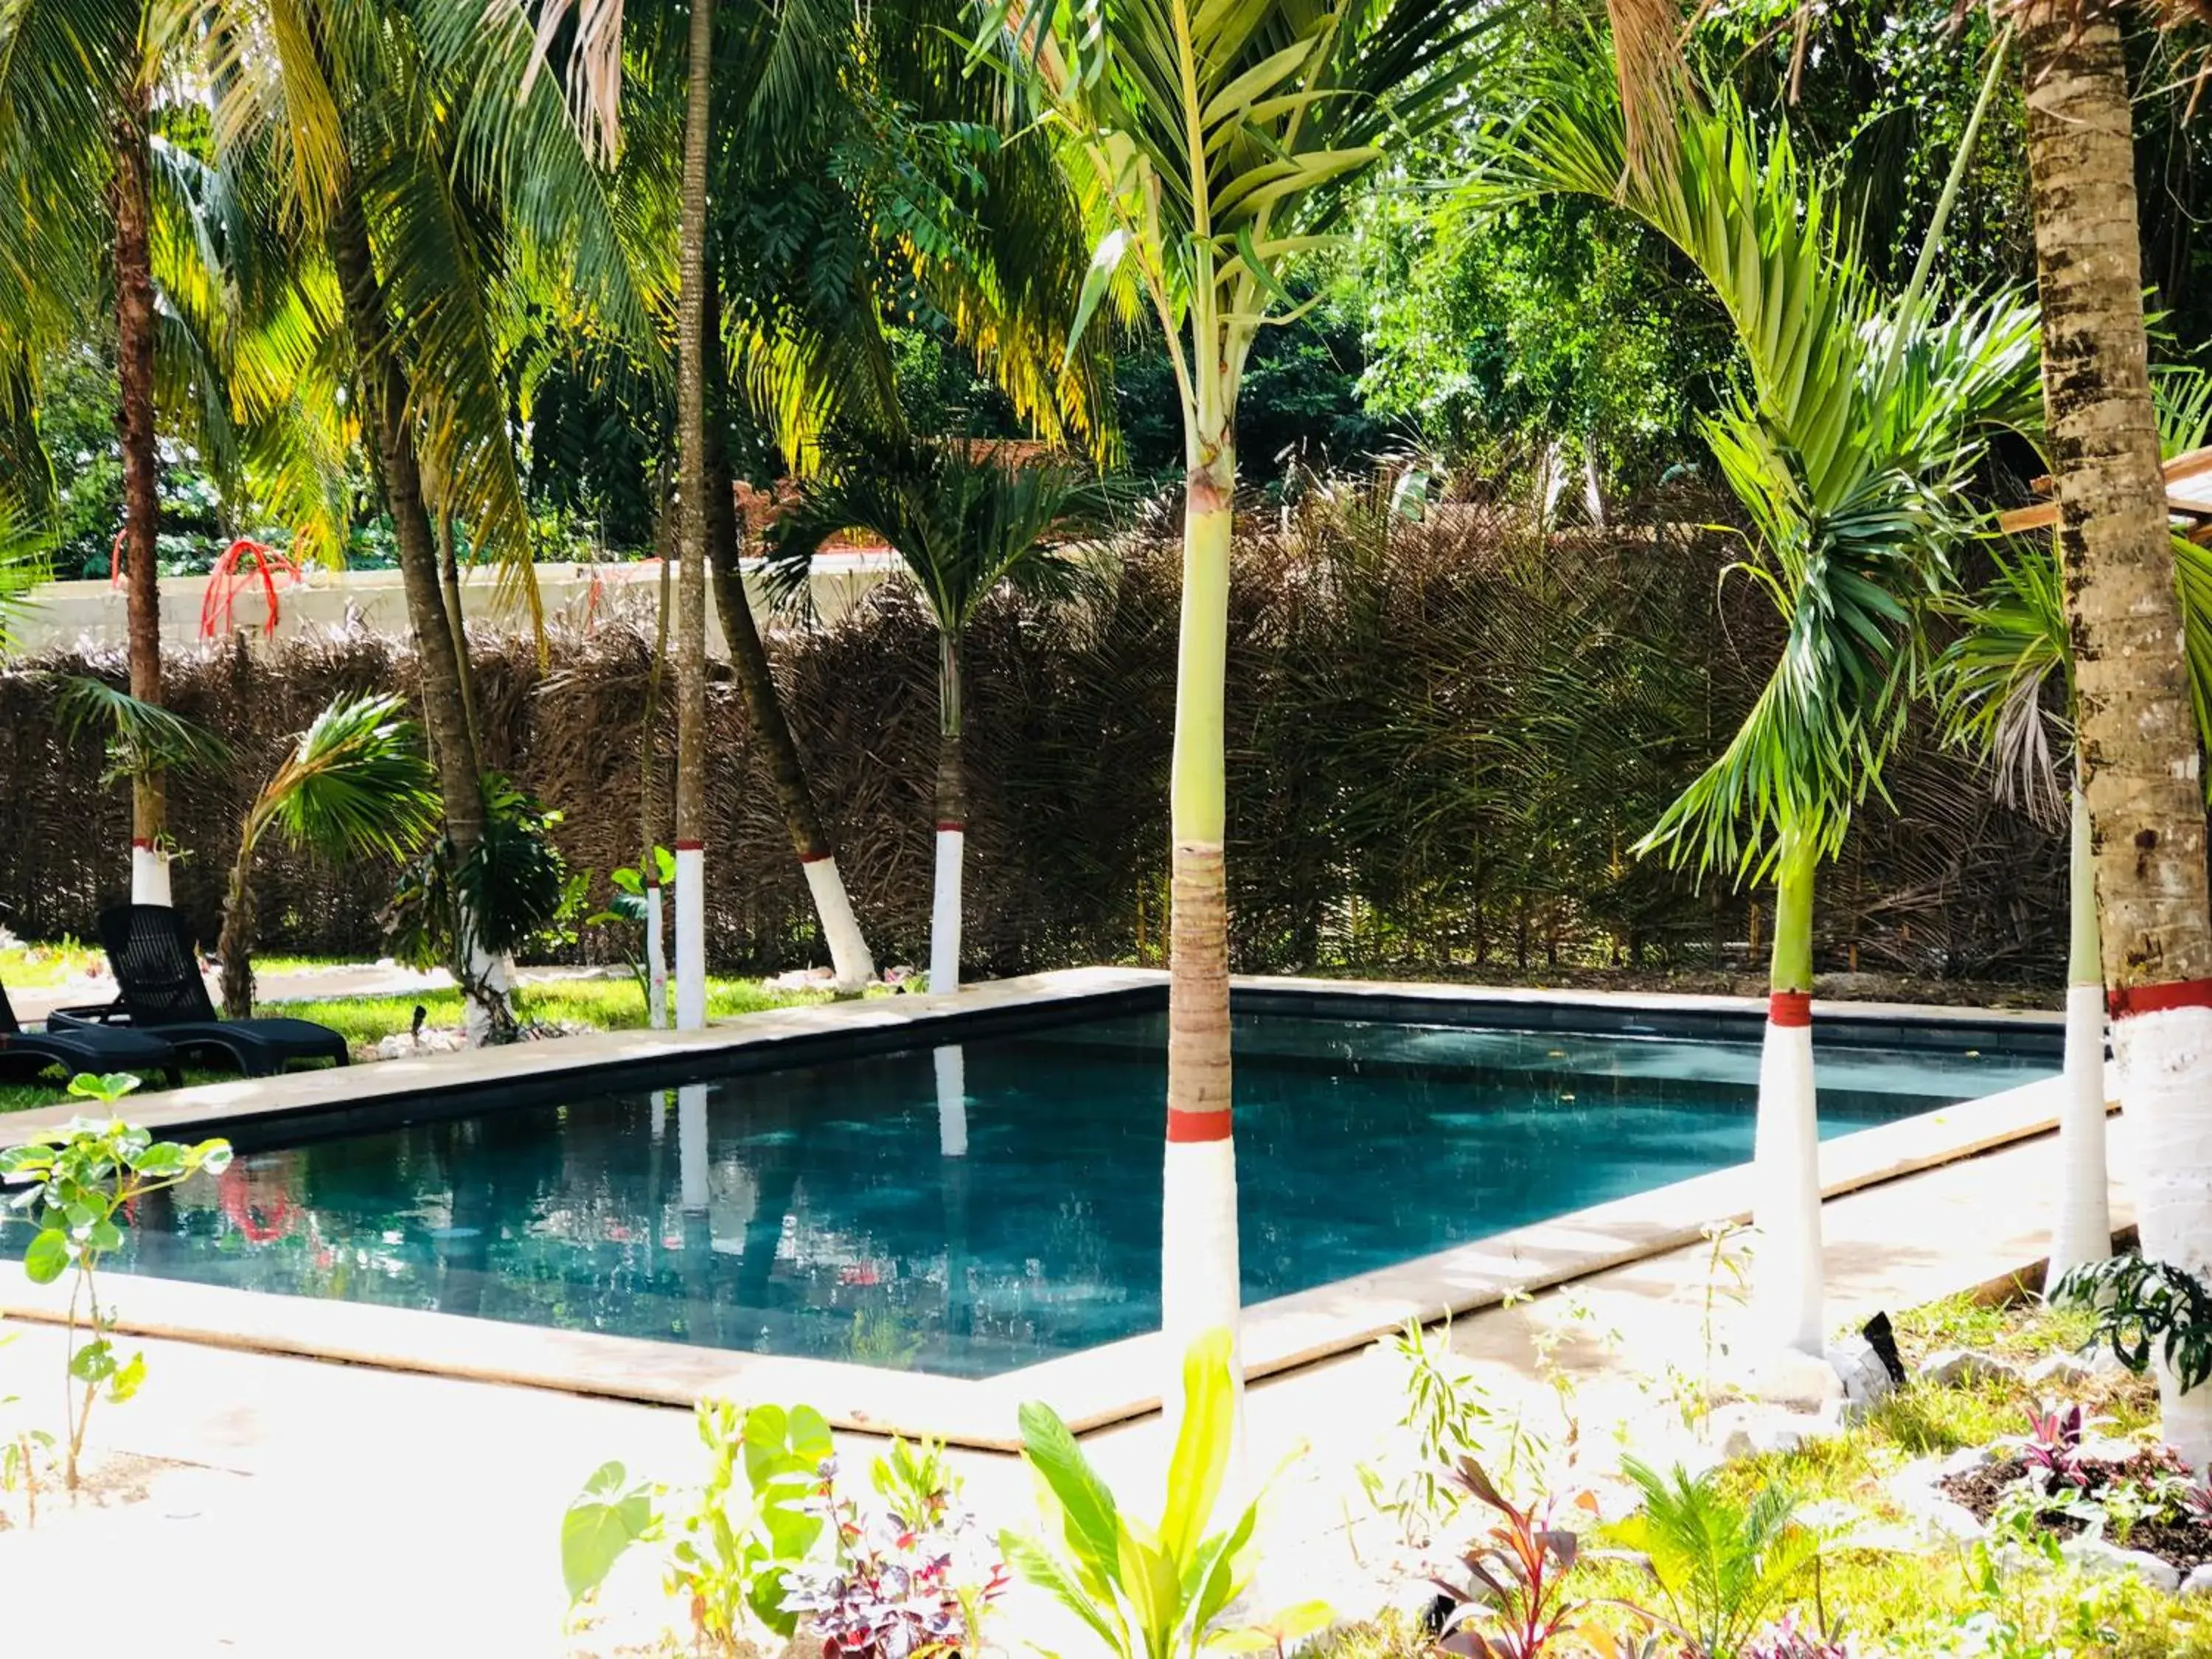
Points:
[1514,1605]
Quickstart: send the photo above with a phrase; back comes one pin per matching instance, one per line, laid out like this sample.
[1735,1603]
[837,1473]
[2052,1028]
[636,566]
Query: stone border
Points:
[1097,1387]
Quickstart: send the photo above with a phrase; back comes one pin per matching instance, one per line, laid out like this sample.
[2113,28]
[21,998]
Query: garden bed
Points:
[2106,1487]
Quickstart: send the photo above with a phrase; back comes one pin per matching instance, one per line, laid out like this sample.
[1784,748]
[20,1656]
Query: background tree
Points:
[354,785]
[968,521]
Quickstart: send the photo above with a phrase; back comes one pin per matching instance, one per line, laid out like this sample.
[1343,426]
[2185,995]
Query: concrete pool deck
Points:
[1092,1389]
[307,1506]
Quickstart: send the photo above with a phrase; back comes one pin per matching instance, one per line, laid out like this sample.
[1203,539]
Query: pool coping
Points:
[1091,1388]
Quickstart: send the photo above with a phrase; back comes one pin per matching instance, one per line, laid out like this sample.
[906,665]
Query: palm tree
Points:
[1211,144]
[2138,740]
[691,346]
[354,785]
[968,522]
[1850,444]
[1996,679]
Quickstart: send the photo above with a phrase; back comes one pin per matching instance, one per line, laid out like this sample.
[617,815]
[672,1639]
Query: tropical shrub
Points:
[1721,1562]
[2142,1306]
[1146,1592]
[80,1181]
[1514,1604]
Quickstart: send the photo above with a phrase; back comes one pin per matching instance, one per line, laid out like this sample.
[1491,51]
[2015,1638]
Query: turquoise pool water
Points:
[815,1209]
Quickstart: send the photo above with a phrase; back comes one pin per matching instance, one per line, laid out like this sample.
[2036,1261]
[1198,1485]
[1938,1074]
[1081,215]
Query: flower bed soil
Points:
[2182,1542]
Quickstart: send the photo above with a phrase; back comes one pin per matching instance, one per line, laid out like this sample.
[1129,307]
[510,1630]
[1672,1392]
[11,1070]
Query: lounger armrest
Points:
[91,1013]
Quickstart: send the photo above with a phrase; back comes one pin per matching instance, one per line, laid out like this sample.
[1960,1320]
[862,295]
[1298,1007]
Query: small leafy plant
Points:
[912,1580]
[2145,1310]
[80,1179]
[627,907]
[1722,1563]
[1514,1605]
[751,1520]
[2052,1447]
[1790,1638]
[1146,1592]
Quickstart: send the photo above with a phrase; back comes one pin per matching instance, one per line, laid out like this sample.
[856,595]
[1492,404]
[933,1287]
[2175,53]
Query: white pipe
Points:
[149,874]
[841,930]
[951,1061]
[1788,1271]
[944,914]
[691,938]
[2162,1060]
[2083,1231]
[692,1147]
[656,961]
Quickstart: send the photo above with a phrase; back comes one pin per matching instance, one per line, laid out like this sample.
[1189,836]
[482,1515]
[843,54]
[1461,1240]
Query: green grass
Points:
[597,1005]
[43,967]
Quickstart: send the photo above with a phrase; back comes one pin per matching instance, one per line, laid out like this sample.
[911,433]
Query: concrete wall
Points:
[66,616]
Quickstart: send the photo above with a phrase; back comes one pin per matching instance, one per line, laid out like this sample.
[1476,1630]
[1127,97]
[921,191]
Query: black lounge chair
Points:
[161,991]
[82,1048]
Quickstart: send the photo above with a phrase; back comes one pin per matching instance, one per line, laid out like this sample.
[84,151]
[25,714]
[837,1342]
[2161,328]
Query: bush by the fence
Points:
[1444,740]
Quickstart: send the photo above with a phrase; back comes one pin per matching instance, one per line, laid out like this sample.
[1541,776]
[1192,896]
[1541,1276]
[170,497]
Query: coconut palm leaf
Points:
[357,783]
[965,520]
[142,738]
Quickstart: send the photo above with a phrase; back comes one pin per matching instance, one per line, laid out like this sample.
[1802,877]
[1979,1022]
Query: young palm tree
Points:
[354,785]
[1212,143]
[967,522]
[2138,740]
[1997,678]
[1850,444]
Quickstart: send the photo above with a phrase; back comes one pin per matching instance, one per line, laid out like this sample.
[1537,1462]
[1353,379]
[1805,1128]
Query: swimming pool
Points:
[972,1208]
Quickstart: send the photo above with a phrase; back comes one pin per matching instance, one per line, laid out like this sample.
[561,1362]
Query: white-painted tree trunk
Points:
[690,936]
[692,1154]
[656,961]
[2162,1060]
[2083,1231]
[149,874]
[951,1060]
[1788,1271]
[849,959]
[496,974]
[945,913]
[1200,1268]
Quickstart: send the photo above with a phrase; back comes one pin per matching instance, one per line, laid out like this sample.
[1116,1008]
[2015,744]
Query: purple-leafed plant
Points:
[912,1581]
[1791,1638]
[1514,1605]
[2052,1447]
[2197,1502]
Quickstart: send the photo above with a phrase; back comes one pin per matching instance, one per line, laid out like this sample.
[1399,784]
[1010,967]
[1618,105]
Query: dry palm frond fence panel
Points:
[1444,740]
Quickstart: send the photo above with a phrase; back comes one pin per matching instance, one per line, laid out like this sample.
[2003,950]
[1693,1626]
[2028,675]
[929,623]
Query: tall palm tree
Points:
[354,785]
[691,346]
[1850,444]
[1210,144]
[968,522]
[2142,762]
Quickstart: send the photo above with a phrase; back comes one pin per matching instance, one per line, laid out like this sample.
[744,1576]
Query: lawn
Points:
[595,1005]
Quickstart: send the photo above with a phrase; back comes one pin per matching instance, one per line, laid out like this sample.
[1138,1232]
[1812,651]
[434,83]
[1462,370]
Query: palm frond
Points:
[142,738]
[356,784]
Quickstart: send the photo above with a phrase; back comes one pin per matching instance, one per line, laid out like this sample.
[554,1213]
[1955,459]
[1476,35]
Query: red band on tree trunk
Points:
[140,844]
[1789,1008]
[956,827]
[2130,999]
[1197,1126]
[814,857]
[691,846]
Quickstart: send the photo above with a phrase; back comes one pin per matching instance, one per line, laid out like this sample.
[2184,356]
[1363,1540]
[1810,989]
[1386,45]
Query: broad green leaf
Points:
[1042,1570]
[601,1525]
[1105,260]
[94,1362]
[1202,1448]
[1093,1524]
[48,1256]
[127,1380]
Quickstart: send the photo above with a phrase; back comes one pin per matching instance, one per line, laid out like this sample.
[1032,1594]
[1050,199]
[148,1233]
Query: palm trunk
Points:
[2083,1232]
[449,582]
[951,820]
[1786,1155]
[235,945]
[648,795]
[691,584]
[2137,737]
[141,501]
[384,397]
[849,958]
[1200,1281]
